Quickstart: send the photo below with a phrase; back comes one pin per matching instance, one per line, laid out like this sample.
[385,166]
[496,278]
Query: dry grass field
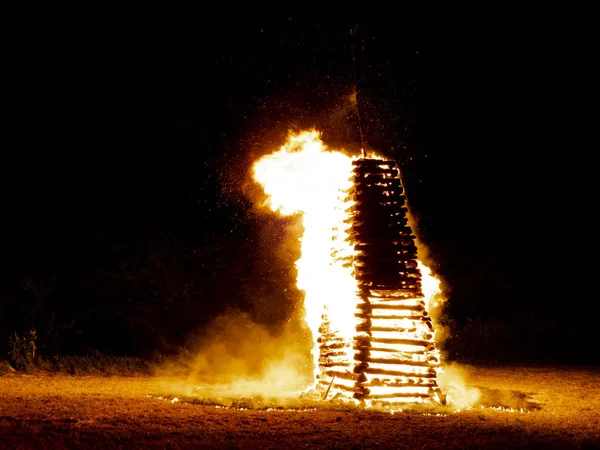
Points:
[516,408]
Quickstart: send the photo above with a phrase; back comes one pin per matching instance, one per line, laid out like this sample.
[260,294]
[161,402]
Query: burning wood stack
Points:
[393,358]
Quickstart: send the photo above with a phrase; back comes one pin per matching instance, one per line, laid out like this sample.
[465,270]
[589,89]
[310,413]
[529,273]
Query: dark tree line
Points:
[150,296]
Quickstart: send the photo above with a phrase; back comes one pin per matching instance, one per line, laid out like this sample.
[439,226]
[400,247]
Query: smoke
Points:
[237,358]
[452,381]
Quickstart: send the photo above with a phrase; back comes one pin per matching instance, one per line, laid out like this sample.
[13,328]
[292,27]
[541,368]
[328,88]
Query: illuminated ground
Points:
[518,407]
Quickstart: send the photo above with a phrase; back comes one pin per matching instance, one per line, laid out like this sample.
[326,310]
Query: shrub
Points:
[22,351]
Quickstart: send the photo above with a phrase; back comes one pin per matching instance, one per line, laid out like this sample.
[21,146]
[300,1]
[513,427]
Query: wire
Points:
[353,33]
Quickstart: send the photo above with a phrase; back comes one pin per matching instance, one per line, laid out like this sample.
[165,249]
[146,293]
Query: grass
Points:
[519,407]
[99,364]
[96,364]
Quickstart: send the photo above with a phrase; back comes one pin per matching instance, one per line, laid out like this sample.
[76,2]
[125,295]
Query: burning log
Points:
[371,306]
[405,362]
[389,279]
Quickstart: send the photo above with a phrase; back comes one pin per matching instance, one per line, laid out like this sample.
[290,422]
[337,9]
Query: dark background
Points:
[127,224]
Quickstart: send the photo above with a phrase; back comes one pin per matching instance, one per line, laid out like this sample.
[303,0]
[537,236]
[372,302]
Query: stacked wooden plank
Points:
[394,358]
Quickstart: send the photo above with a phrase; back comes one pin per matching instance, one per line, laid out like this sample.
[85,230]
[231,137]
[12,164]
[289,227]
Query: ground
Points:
[517,408]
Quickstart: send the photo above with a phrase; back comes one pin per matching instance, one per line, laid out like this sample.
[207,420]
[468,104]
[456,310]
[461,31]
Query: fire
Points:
[305,177]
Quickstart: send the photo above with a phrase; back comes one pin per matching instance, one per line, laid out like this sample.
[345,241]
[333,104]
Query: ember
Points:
[366,293]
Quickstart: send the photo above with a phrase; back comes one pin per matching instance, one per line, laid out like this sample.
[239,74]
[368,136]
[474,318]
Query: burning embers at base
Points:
[367,295]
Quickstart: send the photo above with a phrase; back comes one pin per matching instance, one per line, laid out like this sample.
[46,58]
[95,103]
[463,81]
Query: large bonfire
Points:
[373,339]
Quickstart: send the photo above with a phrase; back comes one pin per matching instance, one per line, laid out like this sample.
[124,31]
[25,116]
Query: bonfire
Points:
[367,296]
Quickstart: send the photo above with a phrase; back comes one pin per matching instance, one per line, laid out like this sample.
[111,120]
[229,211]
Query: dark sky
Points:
[138,132]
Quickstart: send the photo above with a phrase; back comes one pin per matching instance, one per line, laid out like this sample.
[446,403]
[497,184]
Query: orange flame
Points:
[304,177]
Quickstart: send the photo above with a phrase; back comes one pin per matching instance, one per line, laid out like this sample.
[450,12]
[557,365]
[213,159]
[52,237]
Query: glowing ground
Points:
[517,408]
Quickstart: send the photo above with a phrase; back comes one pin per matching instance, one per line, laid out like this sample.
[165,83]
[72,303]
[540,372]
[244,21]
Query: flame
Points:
[305,177]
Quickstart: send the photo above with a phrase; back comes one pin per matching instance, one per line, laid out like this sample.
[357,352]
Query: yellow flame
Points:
[305,177]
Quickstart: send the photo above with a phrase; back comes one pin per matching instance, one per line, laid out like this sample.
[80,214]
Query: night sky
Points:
[123,137]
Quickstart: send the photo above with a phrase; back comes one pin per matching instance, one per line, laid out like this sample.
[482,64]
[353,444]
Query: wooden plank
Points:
[415,342]
[404,362]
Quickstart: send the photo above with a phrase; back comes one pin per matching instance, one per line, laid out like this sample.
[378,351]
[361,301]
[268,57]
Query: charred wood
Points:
[418,351]
[415,342]
[384,306]
[372,371]
[404,362]
[373,162]
[333,364]
[394,317]
[400,395]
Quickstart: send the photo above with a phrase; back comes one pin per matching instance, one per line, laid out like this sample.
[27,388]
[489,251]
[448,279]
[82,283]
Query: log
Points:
[372,162]
[329,338]
[366,183]
[384,242]
[373,253]
[428,349]
[410,293]
[380,207]
[333,346]
[391,281]
[372,371]
[377,254]
[385,219]
[431,383]
[422,352]
[419,307]
[415,317]
[378,186]
[329,335]
[388,282]
[388,276]
[368,359]
[380,210]
[380,195]
[387,231]
[415,291]
[360,217]
[377,295]
[401,242]
[399,395]
[333,364]
[390,250]
[373,247]
[394,317]
[394,330]
[401,382]
[389,271]
[331,354]
[384,270]
[415,342]
[367,172]
[367,234]
[382,261]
